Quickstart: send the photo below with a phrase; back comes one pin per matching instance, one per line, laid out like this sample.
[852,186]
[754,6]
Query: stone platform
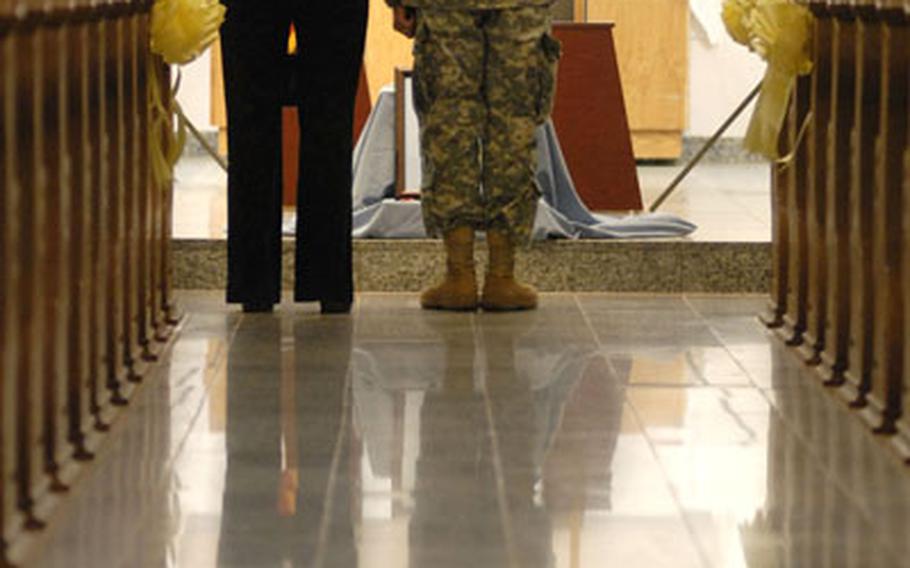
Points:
[660,266]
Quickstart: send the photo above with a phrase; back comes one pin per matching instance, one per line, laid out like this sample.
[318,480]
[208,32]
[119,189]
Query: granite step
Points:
[660,266]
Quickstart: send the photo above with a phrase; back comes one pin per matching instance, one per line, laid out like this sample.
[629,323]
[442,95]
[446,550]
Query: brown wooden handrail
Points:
[85,294]
[841,286]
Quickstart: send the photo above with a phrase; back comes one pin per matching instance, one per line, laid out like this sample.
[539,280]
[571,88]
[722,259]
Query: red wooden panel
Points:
[590,118]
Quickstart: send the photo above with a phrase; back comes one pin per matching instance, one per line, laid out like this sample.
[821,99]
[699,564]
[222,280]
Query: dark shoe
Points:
[332,307]
[258,307]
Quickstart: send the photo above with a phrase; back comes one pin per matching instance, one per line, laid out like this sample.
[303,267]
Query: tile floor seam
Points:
[222,356]
[689,386]
[804,372]
[677,501]
[505,519]
[829,473]
[112,437]
[327,513]
[804,515]
[834,480]
[587,319]
[600,343]
[723,343]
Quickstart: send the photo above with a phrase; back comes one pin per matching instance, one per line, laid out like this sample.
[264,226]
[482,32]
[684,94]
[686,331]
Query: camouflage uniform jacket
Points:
[468,4]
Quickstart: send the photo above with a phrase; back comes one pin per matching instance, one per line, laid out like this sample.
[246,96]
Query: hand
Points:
[405,21]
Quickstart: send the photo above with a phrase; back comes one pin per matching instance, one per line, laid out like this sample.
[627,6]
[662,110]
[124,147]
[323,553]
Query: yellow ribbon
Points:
[180,31]
[165,142]
[781,33]
[183,29]
[735,15]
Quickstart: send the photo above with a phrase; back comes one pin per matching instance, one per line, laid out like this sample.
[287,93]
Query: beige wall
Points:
[385,49]
[720,74]
[195,91]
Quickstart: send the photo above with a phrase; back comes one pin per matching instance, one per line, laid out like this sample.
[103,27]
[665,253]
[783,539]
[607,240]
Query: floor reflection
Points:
[469,451]
[287,490]
[399,438]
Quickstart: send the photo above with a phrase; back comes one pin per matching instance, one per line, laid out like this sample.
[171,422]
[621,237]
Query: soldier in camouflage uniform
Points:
[484,78]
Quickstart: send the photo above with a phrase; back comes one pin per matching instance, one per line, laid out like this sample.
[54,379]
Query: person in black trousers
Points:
[254,44]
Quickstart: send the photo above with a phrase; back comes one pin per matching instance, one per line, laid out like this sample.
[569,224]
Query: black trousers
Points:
[256,74]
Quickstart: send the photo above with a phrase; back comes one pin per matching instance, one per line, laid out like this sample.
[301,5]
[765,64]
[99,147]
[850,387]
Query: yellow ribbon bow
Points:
[781,33]
[183,29]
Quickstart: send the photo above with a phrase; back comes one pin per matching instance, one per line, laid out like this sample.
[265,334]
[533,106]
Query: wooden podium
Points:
[651,38]
[589,115]
[591,121]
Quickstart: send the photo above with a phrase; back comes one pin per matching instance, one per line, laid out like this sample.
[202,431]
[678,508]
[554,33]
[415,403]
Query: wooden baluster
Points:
[156,315]
[76,219]
[56,270]
[144,189]
[156,204]
[11,75]
[33,486]
[814,338]
[129,348]
[100,206]
[136,366]
[773,316]
[6,351]
[79,392]
[887,367]
[903,426]
[795,316]
[147,310]
[168,305]
[860,204]
[117,383]
[840,126]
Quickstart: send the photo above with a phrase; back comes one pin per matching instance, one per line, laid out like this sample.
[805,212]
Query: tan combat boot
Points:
[458,292]
[501,292]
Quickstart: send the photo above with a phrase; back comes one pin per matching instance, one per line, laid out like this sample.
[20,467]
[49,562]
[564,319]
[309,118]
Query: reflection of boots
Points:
[500,290]
[459,289]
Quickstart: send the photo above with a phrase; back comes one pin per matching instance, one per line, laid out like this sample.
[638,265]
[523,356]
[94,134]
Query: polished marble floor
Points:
[728,202]
[598,431]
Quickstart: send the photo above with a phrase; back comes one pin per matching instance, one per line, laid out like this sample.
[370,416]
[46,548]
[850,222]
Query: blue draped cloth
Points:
[561,213]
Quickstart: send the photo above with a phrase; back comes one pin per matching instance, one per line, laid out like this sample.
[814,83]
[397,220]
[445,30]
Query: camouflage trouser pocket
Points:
[550,52]
[423,78]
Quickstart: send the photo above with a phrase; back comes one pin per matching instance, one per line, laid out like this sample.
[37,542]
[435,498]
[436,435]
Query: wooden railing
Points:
[841,284]
[85,299]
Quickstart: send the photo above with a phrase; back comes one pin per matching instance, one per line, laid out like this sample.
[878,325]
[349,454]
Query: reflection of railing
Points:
[841,285]
[85,297]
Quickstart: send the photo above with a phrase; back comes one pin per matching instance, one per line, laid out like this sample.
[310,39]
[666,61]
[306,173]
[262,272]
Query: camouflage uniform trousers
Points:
[483,81]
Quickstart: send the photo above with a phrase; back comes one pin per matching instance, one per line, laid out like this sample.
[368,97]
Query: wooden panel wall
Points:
[652,47]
